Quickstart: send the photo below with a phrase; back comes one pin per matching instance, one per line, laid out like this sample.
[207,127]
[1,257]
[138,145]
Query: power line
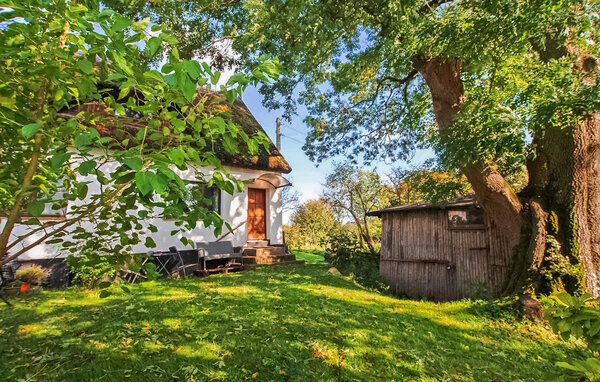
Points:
[293,139]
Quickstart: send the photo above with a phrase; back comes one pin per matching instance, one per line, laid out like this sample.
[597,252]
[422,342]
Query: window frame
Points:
[468,227]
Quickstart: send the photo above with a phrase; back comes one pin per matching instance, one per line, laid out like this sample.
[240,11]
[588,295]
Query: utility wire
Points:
[293,139]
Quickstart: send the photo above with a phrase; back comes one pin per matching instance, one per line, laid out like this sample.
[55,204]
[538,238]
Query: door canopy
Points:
[274,180]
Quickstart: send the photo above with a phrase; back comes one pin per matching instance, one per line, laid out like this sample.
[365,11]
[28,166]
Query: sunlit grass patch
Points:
[292,323]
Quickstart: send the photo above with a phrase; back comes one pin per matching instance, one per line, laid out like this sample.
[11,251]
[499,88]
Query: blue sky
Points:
[307,178]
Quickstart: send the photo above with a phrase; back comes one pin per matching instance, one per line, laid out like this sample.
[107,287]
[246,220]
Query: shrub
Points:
[580,317]
[345,252]
[34,275]
[89,271]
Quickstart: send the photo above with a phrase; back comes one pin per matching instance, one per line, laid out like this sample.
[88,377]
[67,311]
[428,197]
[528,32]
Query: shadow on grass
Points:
[298,323]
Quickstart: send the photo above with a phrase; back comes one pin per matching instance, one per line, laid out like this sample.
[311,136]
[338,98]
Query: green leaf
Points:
[192,68]
[104,284]
[158,183]
[82,190]
[134,163]
[215,77]
[142,181]
[29,130]
[82,140]
[104,293]
[154,45]
[116,77]
[154,75]
[230,144]
[87,167]
[59,94]
[36,208]
[123,93]
[141,25]
[177,156]
[85,66]
[149,242]
[120,22]
[125,289]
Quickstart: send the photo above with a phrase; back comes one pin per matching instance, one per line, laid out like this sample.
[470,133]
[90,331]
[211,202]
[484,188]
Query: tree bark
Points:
[13,216]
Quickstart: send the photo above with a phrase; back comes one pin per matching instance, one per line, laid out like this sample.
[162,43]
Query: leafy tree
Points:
[111,171]
[354,193]
[430,185]
[491,85]
[312,222]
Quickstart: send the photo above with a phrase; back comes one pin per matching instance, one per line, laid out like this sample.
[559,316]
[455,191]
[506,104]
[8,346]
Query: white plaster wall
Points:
[234,210]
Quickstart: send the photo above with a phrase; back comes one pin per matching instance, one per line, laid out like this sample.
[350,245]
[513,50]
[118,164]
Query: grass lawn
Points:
[286,323]
[311,256]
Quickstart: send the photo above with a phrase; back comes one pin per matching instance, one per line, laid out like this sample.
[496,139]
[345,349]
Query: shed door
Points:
[257,222]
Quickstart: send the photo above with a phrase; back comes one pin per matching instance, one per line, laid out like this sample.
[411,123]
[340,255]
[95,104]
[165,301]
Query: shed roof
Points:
[465,201]
[271,160]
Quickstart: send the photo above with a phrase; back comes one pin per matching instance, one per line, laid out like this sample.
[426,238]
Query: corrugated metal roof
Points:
[465,201]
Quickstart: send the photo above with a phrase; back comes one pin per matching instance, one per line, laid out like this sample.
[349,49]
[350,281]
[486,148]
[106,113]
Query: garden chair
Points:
[7,274]
[181,267]
[218,250]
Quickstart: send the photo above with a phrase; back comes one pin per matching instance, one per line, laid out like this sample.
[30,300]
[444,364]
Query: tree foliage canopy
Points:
[74,55]
[353,65]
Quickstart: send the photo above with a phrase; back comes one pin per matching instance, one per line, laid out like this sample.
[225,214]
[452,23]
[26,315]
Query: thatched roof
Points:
[238,113]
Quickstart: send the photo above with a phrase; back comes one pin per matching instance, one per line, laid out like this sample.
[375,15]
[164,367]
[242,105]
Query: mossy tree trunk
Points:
[554,223]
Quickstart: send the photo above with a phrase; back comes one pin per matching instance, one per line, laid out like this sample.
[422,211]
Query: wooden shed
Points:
[442,253]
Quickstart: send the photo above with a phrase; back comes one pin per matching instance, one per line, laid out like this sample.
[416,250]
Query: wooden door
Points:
[257,217]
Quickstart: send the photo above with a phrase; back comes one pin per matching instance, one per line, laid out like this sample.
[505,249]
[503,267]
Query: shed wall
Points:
[421,257]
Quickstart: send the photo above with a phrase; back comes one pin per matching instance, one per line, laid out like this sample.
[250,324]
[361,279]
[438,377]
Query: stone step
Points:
[268,259]
[257,243]
[264,251]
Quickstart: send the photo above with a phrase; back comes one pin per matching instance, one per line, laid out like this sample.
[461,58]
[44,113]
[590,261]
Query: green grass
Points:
[311,256]
[285,323]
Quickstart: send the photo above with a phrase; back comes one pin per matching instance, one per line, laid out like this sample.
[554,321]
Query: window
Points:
[471,218]
[196,195]
[201,194]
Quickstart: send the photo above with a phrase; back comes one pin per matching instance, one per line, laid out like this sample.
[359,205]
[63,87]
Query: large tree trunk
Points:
[554,224]
[564,178]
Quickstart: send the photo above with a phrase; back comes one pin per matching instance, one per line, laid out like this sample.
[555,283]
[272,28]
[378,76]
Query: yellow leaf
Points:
[255,375]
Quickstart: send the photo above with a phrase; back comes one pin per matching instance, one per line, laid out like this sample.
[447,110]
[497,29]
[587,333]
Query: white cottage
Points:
[255,214]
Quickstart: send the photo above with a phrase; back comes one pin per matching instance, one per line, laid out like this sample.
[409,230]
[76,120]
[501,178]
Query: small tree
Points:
[354,193]
[312,222]
[436,186]
[58,56]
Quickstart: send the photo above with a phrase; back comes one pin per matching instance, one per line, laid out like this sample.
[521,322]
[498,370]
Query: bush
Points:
[580,317]
[345,252]
[89,271]
[34,275]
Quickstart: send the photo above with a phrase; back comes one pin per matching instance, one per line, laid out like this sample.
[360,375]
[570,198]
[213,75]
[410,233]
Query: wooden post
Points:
[278,133]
